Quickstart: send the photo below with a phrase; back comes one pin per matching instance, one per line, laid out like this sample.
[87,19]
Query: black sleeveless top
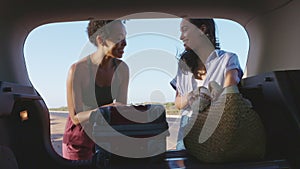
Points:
[102,94]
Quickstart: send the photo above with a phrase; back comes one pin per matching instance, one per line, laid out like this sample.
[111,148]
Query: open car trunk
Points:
[25,141]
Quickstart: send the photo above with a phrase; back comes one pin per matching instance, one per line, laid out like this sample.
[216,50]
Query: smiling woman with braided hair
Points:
[99,79]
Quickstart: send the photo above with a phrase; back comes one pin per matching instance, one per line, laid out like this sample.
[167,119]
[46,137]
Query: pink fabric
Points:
[77,145]
[70,152]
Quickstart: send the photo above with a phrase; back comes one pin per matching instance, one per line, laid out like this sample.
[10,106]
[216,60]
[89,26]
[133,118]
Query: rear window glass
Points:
[153,47]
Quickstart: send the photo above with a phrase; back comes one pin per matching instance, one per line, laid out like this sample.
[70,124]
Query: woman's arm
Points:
[74,99]
[231,78]
[181,101]
[70,95]
[123,72]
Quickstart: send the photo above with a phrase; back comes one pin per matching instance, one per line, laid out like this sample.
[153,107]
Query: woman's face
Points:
[190,34]
[116,41]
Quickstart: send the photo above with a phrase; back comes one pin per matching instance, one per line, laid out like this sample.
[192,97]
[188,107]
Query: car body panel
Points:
[270,79]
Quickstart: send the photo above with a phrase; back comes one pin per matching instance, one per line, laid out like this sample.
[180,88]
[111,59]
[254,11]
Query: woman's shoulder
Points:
[224,53]
[120,63]
[79,65]
[82,61]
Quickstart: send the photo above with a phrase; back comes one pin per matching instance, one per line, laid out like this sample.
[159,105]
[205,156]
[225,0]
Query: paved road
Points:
[58,120]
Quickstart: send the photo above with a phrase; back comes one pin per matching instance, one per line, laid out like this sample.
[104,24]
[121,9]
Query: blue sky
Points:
[151,50]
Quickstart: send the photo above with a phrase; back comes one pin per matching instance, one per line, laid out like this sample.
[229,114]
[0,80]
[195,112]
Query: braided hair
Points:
[99,27]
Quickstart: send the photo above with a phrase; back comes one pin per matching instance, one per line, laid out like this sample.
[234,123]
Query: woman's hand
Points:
[114,103]
[118,104]
[201,99]
[192,96]
[215,90]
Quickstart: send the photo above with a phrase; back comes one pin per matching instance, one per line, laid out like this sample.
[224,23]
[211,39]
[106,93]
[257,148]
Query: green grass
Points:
[171,109]
[59,109]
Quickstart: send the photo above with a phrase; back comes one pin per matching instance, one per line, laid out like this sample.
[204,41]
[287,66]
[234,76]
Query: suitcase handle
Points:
[96,117]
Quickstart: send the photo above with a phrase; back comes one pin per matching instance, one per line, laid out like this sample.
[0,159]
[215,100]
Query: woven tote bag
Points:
[227,130]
